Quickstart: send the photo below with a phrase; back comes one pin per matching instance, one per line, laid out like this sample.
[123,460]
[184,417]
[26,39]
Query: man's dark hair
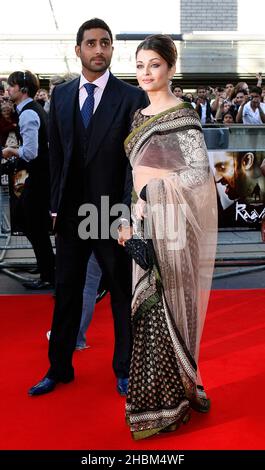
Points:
[256,89]
[94,23]
[202,87]
[27,82]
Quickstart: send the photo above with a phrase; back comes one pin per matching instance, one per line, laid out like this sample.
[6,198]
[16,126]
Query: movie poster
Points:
[240,184]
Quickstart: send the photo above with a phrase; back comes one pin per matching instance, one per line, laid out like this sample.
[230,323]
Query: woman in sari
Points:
[176,202]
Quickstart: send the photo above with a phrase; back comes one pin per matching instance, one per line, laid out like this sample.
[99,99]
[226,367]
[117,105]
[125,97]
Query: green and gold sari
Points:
[167,153]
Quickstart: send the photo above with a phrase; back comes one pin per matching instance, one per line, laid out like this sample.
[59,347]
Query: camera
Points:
[10,166]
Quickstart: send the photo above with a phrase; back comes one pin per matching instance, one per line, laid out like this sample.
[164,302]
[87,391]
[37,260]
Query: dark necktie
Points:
[88,106]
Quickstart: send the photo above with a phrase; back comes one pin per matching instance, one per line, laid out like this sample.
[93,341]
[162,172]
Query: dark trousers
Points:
[72,255]
[33,212]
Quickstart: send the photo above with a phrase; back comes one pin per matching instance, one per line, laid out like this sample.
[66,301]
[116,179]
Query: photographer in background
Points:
[218,99]
[223,108]
[252,111]
[33,204]
[240,98]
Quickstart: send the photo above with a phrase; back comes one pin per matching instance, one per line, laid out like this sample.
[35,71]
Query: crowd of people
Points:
[143,145]
[233,103]
[228,104]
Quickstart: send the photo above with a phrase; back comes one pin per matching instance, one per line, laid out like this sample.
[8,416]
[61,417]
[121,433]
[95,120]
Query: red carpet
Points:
[89,414]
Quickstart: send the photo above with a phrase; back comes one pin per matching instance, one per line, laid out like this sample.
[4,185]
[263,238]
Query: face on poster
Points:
[240,181]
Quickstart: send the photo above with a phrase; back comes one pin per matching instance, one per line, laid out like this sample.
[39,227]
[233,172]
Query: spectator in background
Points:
[189,97]
[33,204]
[224,107]
[55,80]
[241,86]
[229,90]
[252,111]
[202,106]
[219,97]
[228,118]
[209,93]
[178,92]
[239,99]
[93,277]
[42,97]
[8,123]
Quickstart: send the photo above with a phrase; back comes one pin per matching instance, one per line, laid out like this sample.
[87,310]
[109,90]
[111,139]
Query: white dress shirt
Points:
[101,83]
[250,116]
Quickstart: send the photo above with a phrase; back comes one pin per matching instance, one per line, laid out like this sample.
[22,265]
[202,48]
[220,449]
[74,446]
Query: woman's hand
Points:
[124,234]
[140,209]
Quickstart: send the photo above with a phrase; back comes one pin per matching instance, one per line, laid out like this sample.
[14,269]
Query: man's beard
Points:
[98,68]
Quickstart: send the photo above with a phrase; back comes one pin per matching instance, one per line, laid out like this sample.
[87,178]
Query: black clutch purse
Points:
[141,251]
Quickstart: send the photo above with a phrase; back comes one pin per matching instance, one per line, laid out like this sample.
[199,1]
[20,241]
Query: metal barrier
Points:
[231,252]
[15,249]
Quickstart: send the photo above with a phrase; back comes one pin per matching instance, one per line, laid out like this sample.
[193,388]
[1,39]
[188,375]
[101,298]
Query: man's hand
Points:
[199,101]
[9,152]
[259,78]
[246,100]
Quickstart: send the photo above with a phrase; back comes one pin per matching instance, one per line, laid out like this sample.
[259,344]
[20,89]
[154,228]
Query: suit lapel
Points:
[103,117]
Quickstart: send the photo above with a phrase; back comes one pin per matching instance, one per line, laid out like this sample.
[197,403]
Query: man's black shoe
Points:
[38,284]
[100,294]
[46,385]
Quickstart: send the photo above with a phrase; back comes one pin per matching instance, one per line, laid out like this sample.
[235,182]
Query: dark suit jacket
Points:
[105,160]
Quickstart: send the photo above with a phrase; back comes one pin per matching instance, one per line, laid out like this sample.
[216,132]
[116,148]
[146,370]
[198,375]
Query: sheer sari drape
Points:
[168,154]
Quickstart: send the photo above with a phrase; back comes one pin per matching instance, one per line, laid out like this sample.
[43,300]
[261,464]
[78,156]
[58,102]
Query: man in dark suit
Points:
[87,161]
